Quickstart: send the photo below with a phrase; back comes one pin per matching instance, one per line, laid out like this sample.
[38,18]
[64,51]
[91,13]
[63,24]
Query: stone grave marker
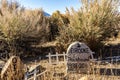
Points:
[78,57]
[13,69]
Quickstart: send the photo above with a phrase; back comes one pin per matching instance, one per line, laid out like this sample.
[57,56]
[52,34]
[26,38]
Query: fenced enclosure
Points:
[31,33]
[109,51]
[57,69]
[56,72]
[53,72]
[55,58]
[58,61]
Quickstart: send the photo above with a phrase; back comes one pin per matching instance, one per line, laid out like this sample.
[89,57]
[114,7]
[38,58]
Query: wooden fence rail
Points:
[57,61]
[35,75]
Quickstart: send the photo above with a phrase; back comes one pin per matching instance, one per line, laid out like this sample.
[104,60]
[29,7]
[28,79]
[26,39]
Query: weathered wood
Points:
[13,69]
[37,75]
[49,58]
[57,58]
[64,55]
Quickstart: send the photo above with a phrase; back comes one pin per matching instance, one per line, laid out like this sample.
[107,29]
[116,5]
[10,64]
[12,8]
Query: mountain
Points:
[46,14]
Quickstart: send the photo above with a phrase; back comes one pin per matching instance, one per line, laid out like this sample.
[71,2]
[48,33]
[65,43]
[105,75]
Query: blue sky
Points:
[50,6]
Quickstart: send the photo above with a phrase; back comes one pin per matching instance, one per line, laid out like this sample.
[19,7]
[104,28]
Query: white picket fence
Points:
[56,56]
[55,59]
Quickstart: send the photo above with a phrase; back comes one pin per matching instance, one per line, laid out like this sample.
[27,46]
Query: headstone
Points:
[78,56]
[13,69]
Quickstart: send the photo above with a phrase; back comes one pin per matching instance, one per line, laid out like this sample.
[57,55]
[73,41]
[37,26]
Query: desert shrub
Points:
[57,20]
[21,28]
[93,23]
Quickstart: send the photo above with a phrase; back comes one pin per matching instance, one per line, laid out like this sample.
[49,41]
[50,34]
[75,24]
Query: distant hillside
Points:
[46,14]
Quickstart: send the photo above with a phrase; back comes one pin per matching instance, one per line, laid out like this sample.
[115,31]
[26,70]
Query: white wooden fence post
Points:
[35,72]
[64,56]
[26,76]
[57,57]
[49,58]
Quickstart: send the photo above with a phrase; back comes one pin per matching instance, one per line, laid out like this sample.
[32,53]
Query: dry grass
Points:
[60,68]
[113,41]
[58,72]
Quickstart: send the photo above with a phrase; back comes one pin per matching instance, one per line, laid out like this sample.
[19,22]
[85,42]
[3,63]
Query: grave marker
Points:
[13,69]
[78,56]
